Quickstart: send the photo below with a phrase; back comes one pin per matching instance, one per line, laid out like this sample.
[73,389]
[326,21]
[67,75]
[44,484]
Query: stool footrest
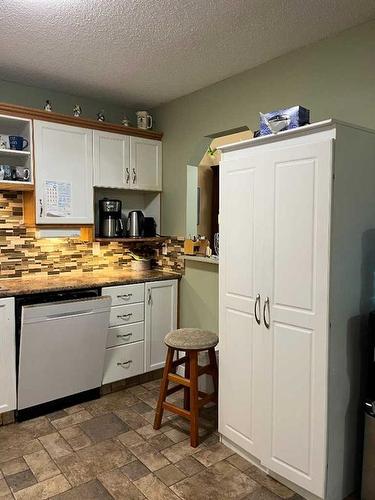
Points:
[176,409]
[205,369]
[177,379]
[206,398]
[174,389]
[179,361]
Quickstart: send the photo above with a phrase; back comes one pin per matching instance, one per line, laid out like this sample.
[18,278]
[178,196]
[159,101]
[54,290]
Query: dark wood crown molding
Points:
[40,114]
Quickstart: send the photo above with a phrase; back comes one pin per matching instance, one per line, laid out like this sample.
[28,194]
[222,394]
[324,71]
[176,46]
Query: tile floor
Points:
[107,449]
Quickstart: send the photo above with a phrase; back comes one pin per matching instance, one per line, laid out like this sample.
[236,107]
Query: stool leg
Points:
[194,408]
[186,389]
[213,363]
[163,388]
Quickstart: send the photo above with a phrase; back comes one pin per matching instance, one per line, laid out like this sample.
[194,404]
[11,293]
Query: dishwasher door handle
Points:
[69,314]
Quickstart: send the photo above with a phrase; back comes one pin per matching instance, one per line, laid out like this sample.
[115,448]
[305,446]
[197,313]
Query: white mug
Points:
[4,141]
[144,120]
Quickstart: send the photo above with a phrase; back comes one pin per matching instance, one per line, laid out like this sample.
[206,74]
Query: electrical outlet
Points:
[96,248]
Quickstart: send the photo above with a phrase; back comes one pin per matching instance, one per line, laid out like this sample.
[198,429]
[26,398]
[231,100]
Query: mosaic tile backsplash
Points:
[21,254]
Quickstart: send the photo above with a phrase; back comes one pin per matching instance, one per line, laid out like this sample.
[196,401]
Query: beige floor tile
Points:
[5,493]
[221,482]
[169,475]
[42,465]
[18,448]
[76,438]
[141,408]
[131,418]
[177,435]
[213,454]
[147,431]
[268,482]
[261,494]
[14,466]
[56,445]
[130,439]
[181,450]
[239,462]
[160,442]
[69,420]
[135,470]
[111,402]
[104,427]
[21,480]
[189,466]
[92,490]
[37,427]
[119,486]
[74,409]
[76,470]
[154,489]
[44,490]
[150,457]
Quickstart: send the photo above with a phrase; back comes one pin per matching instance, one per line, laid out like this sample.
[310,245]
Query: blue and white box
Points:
[283,119]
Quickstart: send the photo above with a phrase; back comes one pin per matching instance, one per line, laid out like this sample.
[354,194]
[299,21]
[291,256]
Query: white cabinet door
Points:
[160,318]
[63,174]
[241,190]
[111,160]
[146,164]
[296,240]
[7,356]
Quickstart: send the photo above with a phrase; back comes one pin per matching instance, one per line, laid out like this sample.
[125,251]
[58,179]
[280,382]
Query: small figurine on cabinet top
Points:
[125,121]
[48,106]
[100,116]
[77,111]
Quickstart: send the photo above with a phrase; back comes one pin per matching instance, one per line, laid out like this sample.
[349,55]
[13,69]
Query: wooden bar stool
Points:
[192,341]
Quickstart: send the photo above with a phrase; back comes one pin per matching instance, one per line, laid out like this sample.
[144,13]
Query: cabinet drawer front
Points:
[123,362]
[122,315]
[126,294]
[124,334]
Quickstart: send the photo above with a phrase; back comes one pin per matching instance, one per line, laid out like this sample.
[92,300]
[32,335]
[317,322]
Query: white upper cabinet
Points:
[111,160]
[63,174]
[7,356]
[145,164]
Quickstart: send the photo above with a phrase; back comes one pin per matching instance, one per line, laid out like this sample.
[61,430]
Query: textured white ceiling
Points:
[146,52]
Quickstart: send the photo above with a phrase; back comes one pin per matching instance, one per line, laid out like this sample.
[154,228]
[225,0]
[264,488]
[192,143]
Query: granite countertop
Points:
[38,284]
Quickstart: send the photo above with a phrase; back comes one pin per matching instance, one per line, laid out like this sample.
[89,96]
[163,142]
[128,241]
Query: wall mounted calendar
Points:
[57,198]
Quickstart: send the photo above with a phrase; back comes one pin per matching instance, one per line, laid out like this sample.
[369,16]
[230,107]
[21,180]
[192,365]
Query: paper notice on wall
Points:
[57,198]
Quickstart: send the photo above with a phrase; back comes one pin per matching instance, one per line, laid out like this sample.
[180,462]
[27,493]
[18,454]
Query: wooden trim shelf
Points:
[16,186]
[147,239]
[39,114]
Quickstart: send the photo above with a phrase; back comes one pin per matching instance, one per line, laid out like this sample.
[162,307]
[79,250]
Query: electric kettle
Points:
[135,224]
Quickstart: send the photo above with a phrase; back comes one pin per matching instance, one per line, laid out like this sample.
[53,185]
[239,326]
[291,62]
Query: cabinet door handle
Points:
[41,207]
[125,296]
[257,309]
[266,308]
[127,180]
[125,363]
[134,175]
[124,316]
[149,296]
[124,336]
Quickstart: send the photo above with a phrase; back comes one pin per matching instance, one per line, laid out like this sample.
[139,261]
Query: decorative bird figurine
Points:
[48,106]
[77,111]
[100,116]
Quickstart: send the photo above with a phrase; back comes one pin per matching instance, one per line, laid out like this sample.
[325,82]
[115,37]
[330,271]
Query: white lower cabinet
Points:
[160,318]
[135,342]
[7,356]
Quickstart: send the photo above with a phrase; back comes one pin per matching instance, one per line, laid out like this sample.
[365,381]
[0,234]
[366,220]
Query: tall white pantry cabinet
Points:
[297,262]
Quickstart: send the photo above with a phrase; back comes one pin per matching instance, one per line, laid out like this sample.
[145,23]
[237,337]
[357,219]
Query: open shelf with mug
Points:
[16,153]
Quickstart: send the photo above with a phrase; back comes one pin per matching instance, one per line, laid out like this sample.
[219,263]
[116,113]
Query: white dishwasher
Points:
[61,349]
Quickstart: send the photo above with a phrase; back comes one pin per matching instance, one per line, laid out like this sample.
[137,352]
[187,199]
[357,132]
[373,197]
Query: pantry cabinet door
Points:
[111,160]
[146,164]
[7,356]
[296,277]
[63,174]
[160,318]
[240,346]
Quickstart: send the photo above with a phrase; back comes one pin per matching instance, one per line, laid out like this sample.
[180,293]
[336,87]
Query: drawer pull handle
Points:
[125,363]
[124,336]
[124,316]
[125,296]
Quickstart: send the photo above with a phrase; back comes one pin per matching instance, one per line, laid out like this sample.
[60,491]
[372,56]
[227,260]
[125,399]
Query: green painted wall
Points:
[34,97]
[333,78]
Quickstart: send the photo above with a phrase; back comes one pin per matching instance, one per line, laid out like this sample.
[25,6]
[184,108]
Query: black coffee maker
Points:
[110,221]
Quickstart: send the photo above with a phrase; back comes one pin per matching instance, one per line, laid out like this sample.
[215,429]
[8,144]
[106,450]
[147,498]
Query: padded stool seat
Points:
[191,339]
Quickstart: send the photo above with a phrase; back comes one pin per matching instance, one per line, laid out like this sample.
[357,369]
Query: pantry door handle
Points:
[257,308]
[266,308]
